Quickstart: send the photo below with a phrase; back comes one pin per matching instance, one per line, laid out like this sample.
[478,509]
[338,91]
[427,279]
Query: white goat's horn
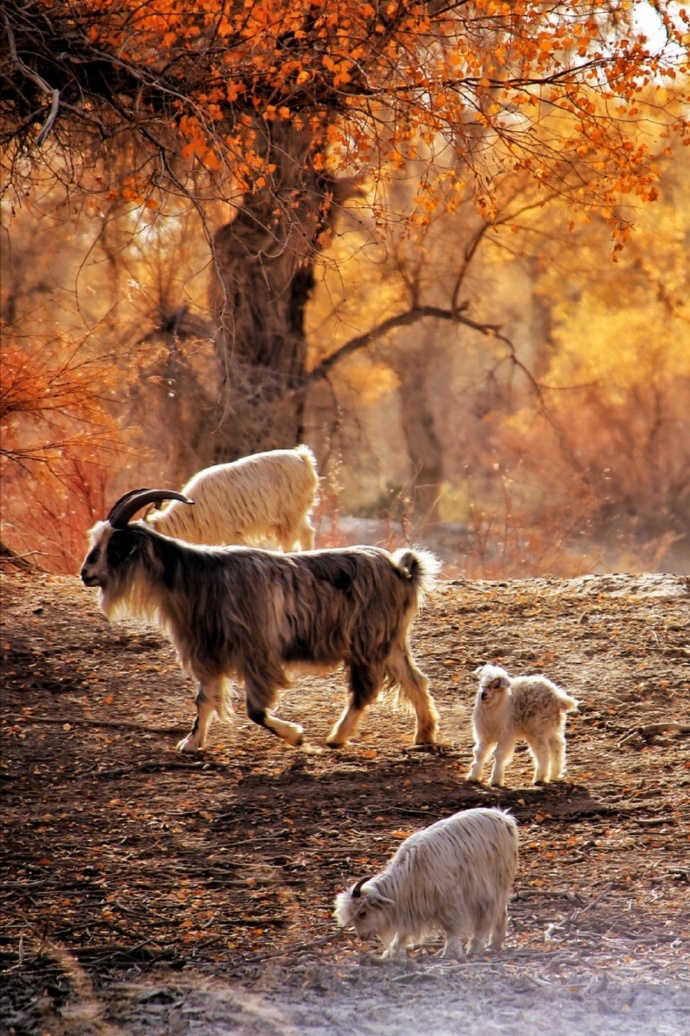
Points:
[130,503]
[357,889]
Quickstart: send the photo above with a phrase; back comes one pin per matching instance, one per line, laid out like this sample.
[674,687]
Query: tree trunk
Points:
[264,275]
[423,447]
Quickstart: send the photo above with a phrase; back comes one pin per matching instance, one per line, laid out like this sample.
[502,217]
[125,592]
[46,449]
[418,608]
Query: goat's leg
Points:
[478,942]
[209,701]
[346,727]
[542,760]
[498,935]
[306,535]
[365,684]
[287,537]
[557,757]
[454,945]
[502,756]
[395,946]
[414,687]
[298,536]
[258,697]
[482,751]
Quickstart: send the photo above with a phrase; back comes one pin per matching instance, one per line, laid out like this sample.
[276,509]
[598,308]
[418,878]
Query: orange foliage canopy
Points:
[364,84]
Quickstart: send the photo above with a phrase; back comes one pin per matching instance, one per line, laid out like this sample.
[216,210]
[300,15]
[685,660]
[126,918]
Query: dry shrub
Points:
[60,449]
[610,470]
[47,512]
[516,530]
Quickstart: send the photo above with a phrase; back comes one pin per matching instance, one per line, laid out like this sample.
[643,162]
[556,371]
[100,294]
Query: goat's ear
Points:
[375,899]
[371,896]
[479,670]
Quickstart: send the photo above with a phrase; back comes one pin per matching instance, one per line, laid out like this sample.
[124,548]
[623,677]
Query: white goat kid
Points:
[529,708]
[250,614]
[264,497]
[454,876]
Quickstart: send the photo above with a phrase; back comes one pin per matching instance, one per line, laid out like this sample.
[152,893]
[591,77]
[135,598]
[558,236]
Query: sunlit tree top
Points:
[473,88]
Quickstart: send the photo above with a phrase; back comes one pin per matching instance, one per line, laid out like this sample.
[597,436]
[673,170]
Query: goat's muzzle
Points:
[88,579]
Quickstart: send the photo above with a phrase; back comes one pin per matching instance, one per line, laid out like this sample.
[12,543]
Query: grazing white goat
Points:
[529,708]
[249,613]
[454,876]
[267,496]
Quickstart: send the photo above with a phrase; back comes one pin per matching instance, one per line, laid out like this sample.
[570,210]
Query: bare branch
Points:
[409,317]
[38,80]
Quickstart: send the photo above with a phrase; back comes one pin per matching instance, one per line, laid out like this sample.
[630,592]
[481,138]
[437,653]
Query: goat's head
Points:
[363,908]
[112,542]
[494,683]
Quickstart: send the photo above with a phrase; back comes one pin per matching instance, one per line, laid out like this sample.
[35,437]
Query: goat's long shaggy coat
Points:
[264,497]
[454,876]
[248,613]
[508,710]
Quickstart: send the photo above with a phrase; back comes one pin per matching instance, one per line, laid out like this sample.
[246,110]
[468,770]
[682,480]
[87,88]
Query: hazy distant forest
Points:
[444,243]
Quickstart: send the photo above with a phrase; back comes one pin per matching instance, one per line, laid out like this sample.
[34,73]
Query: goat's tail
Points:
[421,566]
[310,463]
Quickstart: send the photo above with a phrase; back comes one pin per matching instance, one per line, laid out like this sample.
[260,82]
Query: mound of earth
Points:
[145,891]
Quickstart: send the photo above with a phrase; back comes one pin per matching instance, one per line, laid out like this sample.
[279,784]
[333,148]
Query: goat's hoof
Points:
[423,746]
[186,745]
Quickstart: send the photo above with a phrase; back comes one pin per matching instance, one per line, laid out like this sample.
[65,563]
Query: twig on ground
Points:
[648,730]
[574,916]
[294,948]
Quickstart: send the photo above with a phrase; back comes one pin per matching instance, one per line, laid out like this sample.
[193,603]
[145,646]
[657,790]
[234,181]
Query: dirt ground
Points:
[148,892]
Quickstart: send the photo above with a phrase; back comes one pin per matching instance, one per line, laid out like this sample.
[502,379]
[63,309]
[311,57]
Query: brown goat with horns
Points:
[248,613]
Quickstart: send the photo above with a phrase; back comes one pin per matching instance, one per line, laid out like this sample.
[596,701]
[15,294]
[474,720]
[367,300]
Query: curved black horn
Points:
[357,889]
[131,502]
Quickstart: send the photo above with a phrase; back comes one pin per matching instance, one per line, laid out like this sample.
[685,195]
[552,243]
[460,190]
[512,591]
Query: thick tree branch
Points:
[416,313]
[410,316]
[38,80]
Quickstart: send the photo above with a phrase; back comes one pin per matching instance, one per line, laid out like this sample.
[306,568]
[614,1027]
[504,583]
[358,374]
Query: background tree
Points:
[254,111]
[618,432]
[565,425]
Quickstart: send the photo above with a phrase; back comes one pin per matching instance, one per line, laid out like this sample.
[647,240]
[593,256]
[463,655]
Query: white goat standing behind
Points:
[529,708]
[267,496]
[454,876]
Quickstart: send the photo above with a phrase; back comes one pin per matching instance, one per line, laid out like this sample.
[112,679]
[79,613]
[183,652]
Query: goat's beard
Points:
[130,595]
